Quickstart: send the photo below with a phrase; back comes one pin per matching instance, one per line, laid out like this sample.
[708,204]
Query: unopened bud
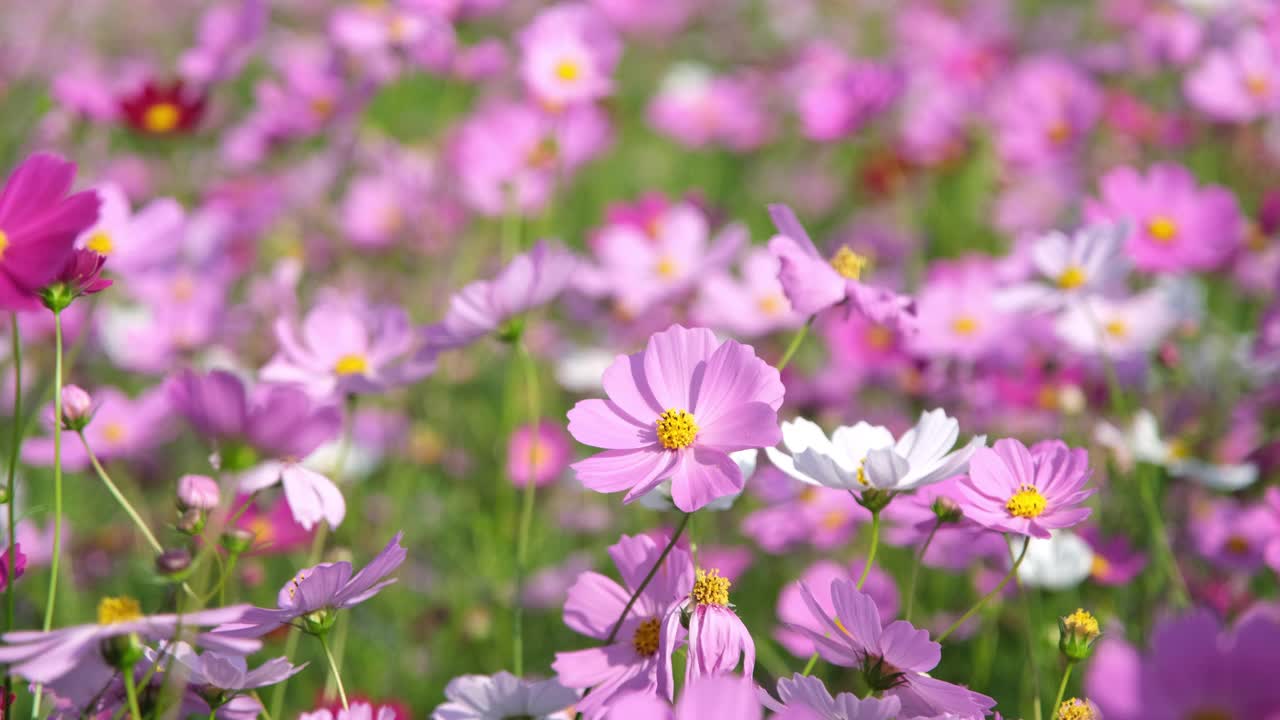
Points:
[191,522]
[77,408]
[1077,632]
[237,541]
[947,510]
[174,562]
[197,491]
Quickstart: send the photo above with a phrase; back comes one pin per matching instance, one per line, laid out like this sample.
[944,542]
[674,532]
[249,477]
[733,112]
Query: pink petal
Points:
[673,364]
[702,476]
[602,424]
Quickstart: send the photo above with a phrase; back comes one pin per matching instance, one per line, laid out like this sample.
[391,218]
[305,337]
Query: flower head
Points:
[156,109]
[718,639]
[676,410]
[503,695]
[1028,492]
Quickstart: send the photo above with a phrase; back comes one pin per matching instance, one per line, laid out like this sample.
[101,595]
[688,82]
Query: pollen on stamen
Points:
[677,429]
[100,242]
[112,610]
[965,325]
[849,263]
[1027,502]
[161,117]
[1162,228]
[645,640]
[1072,278]
[1077,709]
[353,364]
[709,588]
[568,70]
[4,242]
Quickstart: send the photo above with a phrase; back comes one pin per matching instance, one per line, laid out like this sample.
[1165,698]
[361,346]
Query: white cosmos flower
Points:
[1089,262]
[1061,562]
[867,456]
[1142,442]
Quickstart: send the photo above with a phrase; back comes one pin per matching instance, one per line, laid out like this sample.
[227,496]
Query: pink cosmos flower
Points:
[676,410]
[835,95]
[122,428]
[1045,112]
[347,347]
[649,18]
[699,109]
[722,696]
[595,604]
[570,52]
[1028,492]
[144,240]
[1234,536]
[1115,562]
[893,658]
[958,314]
[813,283]
[807,694]
[1239,83]
[383,36]
[537,453]
[750,307]
[1088,262]
[1174,224]
[794,612]
[39,223]
[717,639]
[482,308]
[224,40]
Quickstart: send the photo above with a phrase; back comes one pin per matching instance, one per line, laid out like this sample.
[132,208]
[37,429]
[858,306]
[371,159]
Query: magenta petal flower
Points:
[596,602]
[531,279]
[676,411]
[319,590]
[39,223]
[893,658]
[1028,492]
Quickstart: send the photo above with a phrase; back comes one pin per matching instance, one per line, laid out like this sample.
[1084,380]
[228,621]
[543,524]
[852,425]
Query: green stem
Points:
[57,492]
[808,667]
[1119,404]
[915,570]
[796,341]
[119,496]
[983,601]
[526,513]
[875,545]
[14,447]
[333,668]
[1062,686]
[131,691]
[1150,476]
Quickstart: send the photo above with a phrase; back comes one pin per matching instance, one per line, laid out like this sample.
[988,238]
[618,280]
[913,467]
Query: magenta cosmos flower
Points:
[676,410]
[1027,492]
[631,663]
[1240,83]
[892,658]
[39,224]
[483,307]
[813,283]
[1175,224]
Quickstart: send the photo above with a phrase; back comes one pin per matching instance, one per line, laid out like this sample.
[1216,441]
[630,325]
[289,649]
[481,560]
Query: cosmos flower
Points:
[224,675]
[794,612]
[698,108]
[813,283]
[537,453]
[1062,562]
[1027,492]
[503,695]
[1239,83]
[808,693]
[483,307]
[569,53]
[137,241]
[835,95]
[1044,112]
[750,307]
[676,410]
[1234,535]
[717,637]
[80,275]
[595,604]
[348,347]
[727,696]
[18,560]
[865,456]
[1115,562]
[1090,261]
[1124,327]
[1174,224]
[122,428]
[39,223]
[357,711]
[317,593]
[892,658]
[156,109]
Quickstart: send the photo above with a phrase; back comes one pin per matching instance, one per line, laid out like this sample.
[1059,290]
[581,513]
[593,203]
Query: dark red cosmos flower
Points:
[162,110]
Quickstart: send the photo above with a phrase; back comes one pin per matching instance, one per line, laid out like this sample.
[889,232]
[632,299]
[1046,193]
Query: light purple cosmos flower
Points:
[595,603]
[224,672]
[717,639]
[134,242]
[316,593]
[503,695]
[39,223]
[722,696]
[958,314]
[1088,262]
[893,658]
[1121,327]
[1233,535]
[1175,225]
[45,657]
[698,108]
[347,347]
[1115,562]
[836,95]
[569,54]
[1239,83]
[1027,492]
[814,283]
[482,308]
[224,40]
[1194,668]
[809,693]
[676,410]
[793,611]
[1044,112]
[750,307]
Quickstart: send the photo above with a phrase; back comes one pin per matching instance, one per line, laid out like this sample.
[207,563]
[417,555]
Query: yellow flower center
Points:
[965,325]
[1116,328]
[4,243]
[297,580]
[568,70]
[1059,133]
[1076,709]
[666,268]
[1210,714]
[1072,278]
[262,531]
[710,589]
[1162,228]
[849,263]
[183,288]
[544,153]
[879,337]
[1026,503]
[353,364]
[322,107]
[538,454]
[1082,623]
[112,610]
[100,242]
[114,432]
[1257,85]
[1179,449]
[831,520]
[770,304]
[161,117]
[645,641]
[1237,545]
[676,429]
[398,29]
[1101,566]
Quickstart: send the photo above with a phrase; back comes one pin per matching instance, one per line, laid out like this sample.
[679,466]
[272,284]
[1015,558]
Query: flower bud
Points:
[77,408]
[237,541]
[197,491]
[319,621]
[946,510]
[173,563]
[1077,632]
[875,499]
[1077,709]
[191,522]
